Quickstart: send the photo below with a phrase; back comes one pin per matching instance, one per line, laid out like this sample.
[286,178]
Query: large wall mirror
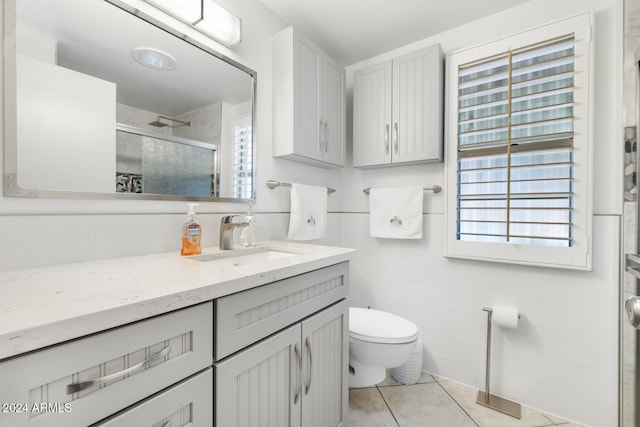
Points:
[102,101]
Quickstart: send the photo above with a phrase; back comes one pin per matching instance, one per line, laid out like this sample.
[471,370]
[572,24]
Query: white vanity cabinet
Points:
[398,110]
[163,340]
[308,102]
[297,376]
[84,381]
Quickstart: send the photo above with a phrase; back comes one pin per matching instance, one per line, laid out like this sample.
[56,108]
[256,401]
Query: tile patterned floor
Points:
[433,402]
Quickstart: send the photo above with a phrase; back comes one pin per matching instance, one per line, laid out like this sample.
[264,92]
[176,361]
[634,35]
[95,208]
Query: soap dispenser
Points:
[191,233]
[247,237]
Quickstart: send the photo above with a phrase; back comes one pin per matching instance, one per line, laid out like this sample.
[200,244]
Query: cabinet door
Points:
[333,112]
[325,360]
[306,92]
[372,115]
[261,386]
[417,106]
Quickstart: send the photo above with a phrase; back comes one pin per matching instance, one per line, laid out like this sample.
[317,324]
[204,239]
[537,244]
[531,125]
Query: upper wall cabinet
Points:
[398,110]
[308,102]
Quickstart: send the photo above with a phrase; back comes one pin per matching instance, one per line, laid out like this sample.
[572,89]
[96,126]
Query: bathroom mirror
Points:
[103,101]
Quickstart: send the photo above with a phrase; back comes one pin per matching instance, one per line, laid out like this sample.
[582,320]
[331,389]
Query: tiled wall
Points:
[39,240]
[562,357]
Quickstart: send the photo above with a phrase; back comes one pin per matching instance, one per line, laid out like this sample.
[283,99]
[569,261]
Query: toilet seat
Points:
[380,327]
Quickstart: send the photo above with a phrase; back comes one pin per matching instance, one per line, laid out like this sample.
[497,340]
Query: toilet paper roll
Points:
[505,316]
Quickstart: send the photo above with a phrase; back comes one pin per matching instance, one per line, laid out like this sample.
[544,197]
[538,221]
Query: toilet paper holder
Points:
[485,398]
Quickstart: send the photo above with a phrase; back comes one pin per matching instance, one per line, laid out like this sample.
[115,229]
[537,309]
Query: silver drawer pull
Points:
[326,136]
[75,387]
[395,137]
[307,342]
[386,139]
[296,348]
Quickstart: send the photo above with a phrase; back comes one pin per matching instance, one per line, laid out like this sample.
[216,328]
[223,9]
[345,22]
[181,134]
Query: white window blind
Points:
[243,159]
[515,145]
[518,167]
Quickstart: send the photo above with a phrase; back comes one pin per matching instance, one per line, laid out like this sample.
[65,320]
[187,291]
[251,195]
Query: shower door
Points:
[629,358]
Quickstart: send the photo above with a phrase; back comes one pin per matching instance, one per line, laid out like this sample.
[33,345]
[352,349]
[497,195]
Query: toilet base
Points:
[365,375]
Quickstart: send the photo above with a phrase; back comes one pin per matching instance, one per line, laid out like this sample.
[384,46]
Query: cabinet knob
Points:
[632,309]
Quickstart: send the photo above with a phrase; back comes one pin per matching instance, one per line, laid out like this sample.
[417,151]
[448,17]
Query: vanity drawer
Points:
[83,381]
[242,319]
[189,403]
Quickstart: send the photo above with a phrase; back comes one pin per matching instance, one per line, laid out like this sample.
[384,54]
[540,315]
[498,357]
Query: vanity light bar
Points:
[206,16]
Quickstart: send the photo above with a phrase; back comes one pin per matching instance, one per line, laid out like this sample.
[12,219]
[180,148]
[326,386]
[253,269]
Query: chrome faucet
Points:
[226,230]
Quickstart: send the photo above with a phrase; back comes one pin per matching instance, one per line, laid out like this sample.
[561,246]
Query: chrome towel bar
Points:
[435,189]
[273,184]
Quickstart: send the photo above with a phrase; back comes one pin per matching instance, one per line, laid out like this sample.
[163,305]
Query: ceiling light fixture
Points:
[205,16]
[154,58]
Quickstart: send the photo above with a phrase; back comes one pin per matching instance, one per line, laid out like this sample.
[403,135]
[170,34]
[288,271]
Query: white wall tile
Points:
[62,239]
[562,317]
[15,246]
[525,382]
[599,323]
[563,347]
[598,355]
[567,376]
[596,403]
[121,235]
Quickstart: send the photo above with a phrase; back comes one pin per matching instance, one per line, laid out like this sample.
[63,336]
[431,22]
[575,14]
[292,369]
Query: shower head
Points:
[157,123]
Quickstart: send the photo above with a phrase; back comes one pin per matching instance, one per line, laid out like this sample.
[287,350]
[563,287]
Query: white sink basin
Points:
[248,256]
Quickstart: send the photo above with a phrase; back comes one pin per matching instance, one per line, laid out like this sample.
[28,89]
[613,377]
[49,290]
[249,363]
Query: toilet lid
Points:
[381,327]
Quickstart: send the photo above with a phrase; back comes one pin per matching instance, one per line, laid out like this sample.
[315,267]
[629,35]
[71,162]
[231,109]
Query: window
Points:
[243,158]
[518,148]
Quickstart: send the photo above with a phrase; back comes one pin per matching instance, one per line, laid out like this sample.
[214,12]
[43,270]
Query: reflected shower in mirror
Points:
[103,103]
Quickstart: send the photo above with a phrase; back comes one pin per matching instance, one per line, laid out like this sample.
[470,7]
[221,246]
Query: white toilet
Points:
[377,341]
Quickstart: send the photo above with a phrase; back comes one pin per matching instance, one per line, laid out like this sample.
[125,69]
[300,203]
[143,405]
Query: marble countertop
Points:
[48,305]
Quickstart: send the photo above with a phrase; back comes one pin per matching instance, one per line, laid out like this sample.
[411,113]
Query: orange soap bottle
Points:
[191,233]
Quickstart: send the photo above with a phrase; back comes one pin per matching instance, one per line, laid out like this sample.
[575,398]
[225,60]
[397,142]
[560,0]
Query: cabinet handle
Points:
[321,142]
[386,139]
[307,343]
[326,136]
[296,348]
[395,137]
[75,387]
[168,424]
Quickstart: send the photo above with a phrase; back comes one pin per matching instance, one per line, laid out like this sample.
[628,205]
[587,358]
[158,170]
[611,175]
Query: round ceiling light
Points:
[154,58]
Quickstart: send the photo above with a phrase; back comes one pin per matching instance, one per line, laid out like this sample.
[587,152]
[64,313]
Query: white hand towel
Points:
[308,219]
[396,213]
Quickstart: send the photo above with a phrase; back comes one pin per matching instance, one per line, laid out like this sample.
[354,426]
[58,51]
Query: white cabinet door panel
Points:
[259,385]
[333,112]
[306,62]
[372,115]
[325,358]
[417,125]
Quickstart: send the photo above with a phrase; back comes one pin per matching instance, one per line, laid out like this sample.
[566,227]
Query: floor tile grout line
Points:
[553,423]
[456,402]
[388,407]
